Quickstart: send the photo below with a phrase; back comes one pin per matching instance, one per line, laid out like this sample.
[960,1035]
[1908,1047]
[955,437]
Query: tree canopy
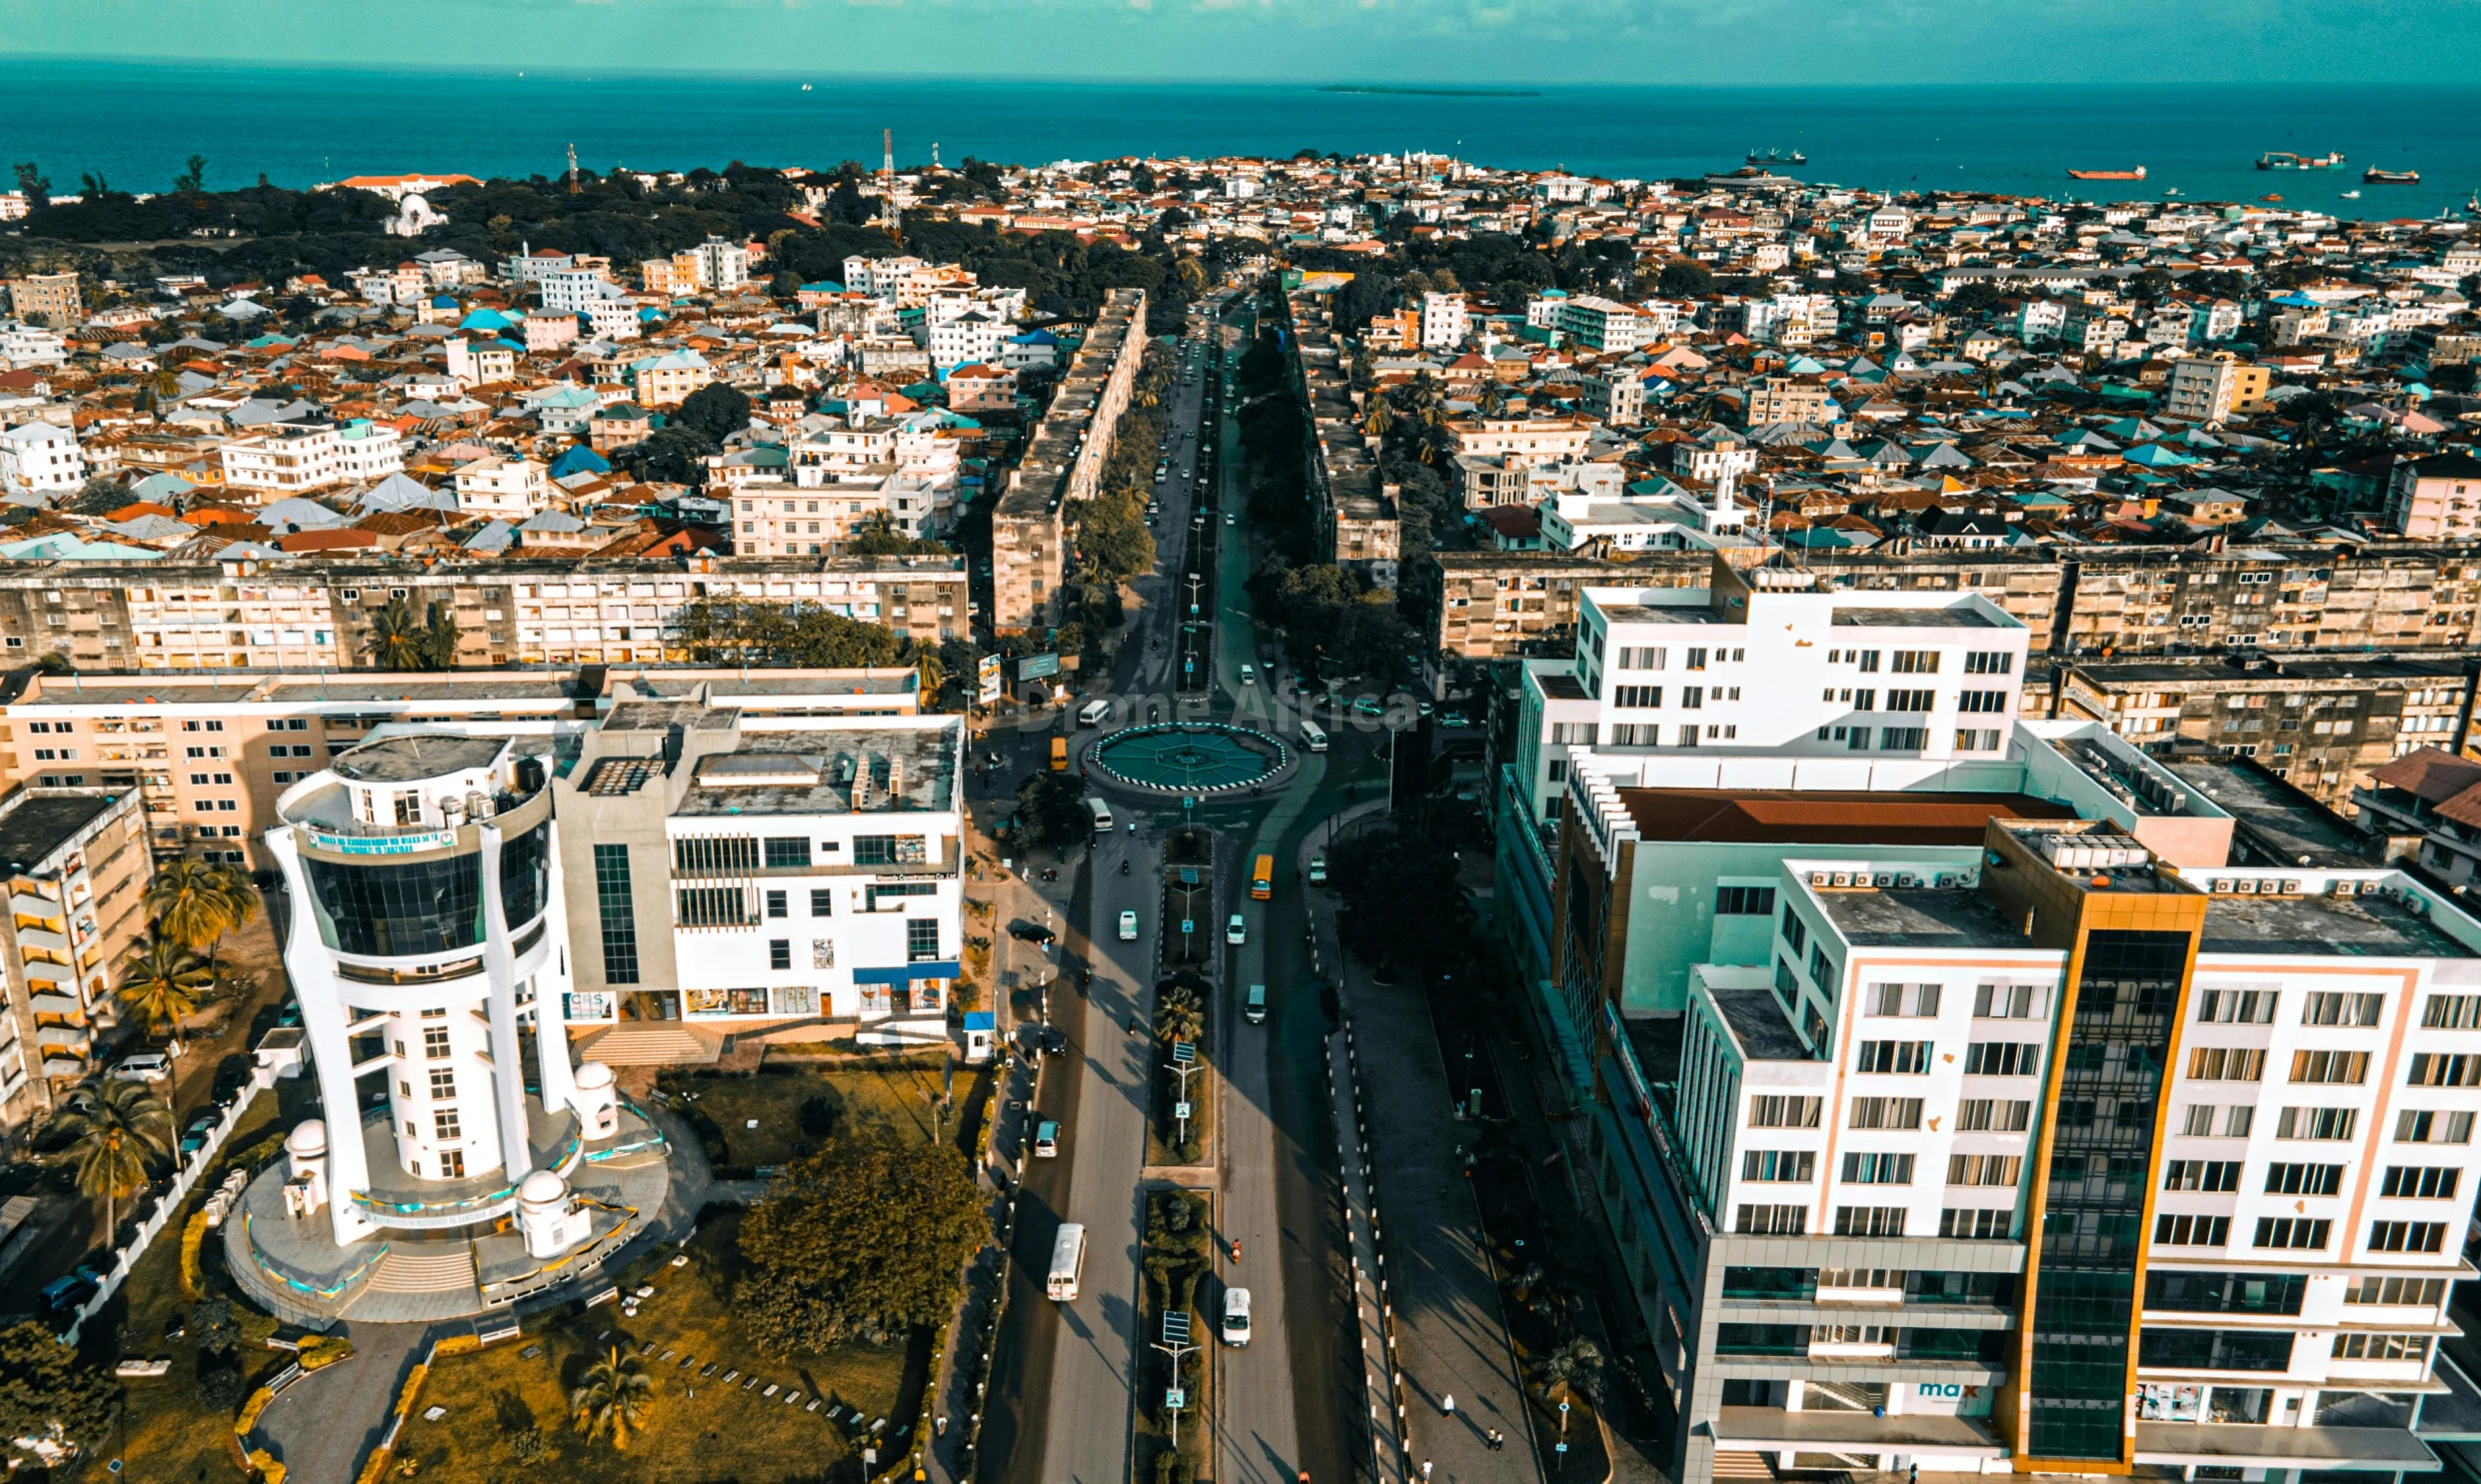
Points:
[727,631]
[47,1391]
[1401,903]
[858,1241]
[1050,810]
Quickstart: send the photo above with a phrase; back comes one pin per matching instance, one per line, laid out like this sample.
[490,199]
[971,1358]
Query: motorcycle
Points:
[1051,873]
[1123,868]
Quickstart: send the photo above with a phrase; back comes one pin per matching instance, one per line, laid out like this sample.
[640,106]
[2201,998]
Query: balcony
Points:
[42,940]
[1775,1430]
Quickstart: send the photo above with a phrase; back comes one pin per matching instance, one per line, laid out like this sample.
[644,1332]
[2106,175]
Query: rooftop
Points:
[1756,1022]
[814,773]
[2281,823]
[42,822]
[1962,616]
[1646,613]
[2367,926]
[408,759]
[1920,917]
[1827,817]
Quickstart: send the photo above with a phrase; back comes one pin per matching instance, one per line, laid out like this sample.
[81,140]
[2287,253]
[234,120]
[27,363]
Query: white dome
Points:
[543,1188]
[308,1140]
[592,1076]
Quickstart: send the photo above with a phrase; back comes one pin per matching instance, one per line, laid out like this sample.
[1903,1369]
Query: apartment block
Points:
[1063,462]
[1356,519]
[51,300]
[299,457]
[1606,325]
[2435,499]
[77,865]
[2210,389]
[1443,321]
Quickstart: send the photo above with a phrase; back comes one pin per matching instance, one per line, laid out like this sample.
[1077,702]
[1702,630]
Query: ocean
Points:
[136,124]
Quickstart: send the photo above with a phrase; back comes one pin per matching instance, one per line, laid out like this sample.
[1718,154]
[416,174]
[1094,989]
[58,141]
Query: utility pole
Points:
[1182,1067]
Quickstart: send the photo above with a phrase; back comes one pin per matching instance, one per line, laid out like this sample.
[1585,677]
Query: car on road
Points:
[1236,930]
[143,1067]
[1128,927]
[1248,675]
[1047,1141]
[194,1138]
[1031,932]
[1231,519]
[1054,1040]
[1369,706]
[1454,718]
[70,1291]
[1235,1317]
[1317,870]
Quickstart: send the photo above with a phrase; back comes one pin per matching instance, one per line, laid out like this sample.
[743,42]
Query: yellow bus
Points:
[1059,754]
[1262,878]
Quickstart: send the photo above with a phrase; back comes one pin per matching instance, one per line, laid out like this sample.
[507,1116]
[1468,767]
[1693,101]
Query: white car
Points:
[1248,675]
[1237,931]
[143,1066]
[1317,870]
[1127,928]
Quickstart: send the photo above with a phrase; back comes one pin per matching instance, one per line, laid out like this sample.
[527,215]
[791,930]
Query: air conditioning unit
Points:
[1886,878]
[1822,878]
[1844,879]
[2291,885]
[1907,878]
[2414,904]
[2246,887]
[1942,880]
[2344,888]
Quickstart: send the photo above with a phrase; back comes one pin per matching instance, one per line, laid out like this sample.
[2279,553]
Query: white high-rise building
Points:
[1443,321]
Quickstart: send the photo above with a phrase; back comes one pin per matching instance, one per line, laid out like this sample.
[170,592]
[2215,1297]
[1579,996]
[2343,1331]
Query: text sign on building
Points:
[401,843]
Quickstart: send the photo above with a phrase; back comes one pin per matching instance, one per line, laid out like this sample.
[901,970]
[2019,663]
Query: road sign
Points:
[1184,1051]
[1180,1110]
[1176,1325]
[1175,1398]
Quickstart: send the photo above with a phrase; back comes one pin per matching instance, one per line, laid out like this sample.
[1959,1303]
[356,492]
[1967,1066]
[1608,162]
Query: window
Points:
[443,1123]
[779,904]
[1982,703]
[618,912]
[2427,1291]
[2422,1126]
[1782,1167]
[779,954]
[1984,1169]
[1640,659]
[2452,1012]
[1636,696]
[2238,1119]
[1877,1169]
[920,939]
[2406,1236]
[1696,660]
[1993,1115]
[2421,1181]
[1902,739]
[876,894]
[1869,1221]
[1911,701]
[1692,697]
[1886,1112]
[2201,1174]
[1795,932]
[2326,1007]
[1912,1001]
[443,1081]
[890,849]
[2381,1347]
[2226,1064]
[787,852]
[2316,1123]
[1744,901]
[821,903]
[1772,1110]
[2330,1066]
[2236,1006]
[715,855]
[1900,1058]
[1851,1334]
[712,906]
[1975,1225]
[1821,968]
[2011,1001]
[2304,1179]
[2003,1058]
[2438,1070]
[1868,660]
[435,1045]
[2192,1231]
[1772,1222]
[2294,1233]
[1989,661]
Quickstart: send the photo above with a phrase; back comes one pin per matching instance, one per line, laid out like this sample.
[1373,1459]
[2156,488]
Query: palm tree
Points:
[116,1130]
[1381,417]
[1573,1369]
[1178,1018]
[397,637]
[161,977]
[614,1398]
[195,903]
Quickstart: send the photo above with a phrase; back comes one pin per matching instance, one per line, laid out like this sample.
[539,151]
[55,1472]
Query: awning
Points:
[937,968]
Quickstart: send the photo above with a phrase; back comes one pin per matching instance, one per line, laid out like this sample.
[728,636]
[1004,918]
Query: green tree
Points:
[161,979]
[858,1241]
[34,183]
[1575,1369]
[117,1130]
[876,536]
[1681,279]
[1402,901]
[612,1399]
[1179,1017]
[1050,810]
[48,1392]
[194,178]
[717,411]
[195,903]
[396,636]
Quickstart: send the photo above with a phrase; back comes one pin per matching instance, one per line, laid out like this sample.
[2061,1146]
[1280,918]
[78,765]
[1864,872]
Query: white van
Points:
[1256,1008]
[1093,713]
[1235,1317]
[1067,1260]
[1311,736]
[1102,814]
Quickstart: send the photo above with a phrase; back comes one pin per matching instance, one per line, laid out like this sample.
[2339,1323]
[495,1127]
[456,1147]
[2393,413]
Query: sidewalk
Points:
[1452,1339]
[1386,1439]
[971,1336]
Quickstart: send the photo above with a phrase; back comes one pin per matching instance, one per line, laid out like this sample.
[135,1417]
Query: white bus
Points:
[1067,1260]
[1102,814]
[1311,736]
[1093,713]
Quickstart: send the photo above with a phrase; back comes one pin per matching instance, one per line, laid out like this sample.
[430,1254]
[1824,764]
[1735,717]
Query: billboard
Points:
[1035,667]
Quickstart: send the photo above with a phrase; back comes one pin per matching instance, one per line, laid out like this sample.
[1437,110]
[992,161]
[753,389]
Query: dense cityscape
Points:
[1334,944]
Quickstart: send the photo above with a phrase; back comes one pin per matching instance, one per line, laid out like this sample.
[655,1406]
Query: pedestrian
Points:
[1425,1468]
[1447,1404]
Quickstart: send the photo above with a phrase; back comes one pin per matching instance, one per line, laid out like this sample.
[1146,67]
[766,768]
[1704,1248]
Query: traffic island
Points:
[1179,1134]
[1173,1438]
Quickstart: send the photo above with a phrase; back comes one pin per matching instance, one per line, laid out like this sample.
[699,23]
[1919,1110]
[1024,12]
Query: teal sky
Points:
[1476,41]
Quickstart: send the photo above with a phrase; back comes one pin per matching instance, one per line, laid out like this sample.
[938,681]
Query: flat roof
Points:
[2292,827]
[43,822]
[1920,917]
[1961,616]
[408,759]
[167,691]
[2372,926]
[1758,1023]
[1646,613]
[1827,817]
[812,772]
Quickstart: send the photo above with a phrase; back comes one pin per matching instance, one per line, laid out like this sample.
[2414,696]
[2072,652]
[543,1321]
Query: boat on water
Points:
[2269,198]
[2170,190]
[2286,160]
[2373,176]
[2137,174]
[2353,195]
[1776,157]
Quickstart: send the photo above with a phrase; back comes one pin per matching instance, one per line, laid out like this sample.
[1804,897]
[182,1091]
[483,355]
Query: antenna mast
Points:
[573,167]
[887,184]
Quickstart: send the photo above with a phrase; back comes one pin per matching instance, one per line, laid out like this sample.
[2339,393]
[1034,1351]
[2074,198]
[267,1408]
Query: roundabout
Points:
[1190,757]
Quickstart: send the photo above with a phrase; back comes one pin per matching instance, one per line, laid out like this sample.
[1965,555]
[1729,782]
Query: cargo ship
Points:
[2373,176]
[2286,160]
[2137,174]
[1776,157]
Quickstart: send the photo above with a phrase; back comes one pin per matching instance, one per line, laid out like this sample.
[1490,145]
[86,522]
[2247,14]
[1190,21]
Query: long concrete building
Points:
[1063,465]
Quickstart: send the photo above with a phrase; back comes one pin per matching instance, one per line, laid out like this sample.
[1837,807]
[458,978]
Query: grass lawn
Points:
[897,1099]
[723,1432]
